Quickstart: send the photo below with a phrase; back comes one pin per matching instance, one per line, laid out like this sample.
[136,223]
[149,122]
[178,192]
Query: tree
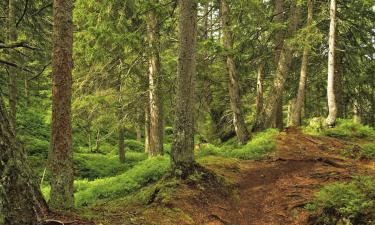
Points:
[155,93]
[20,199]
[234,89]
[297,107]
[332,107]
[182,153]
[61,155]
[12,37]
[264,120]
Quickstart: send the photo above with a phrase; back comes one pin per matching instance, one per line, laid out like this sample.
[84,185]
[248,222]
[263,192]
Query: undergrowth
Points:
[260,147]
[92,166]
[360,152]
[150,170]
[344,129]
[345,203]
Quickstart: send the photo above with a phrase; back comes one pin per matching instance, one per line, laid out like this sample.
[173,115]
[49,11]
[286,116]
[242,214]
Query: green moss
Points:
[140,175]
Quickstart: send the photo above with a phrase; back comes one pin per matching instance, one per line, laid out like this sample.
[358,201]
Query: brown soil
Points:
[271,192]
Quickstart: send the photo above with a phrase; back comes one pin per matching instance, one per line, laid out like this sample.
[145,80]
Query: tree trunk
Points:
[259,97]
[147,127]
[12,37]
[356,112]
[272,104]
[296,118]
[332,107]
[156,102]
[121,144]
[182,154]
[234,89]
[20,199]
[338,84]
[61,155]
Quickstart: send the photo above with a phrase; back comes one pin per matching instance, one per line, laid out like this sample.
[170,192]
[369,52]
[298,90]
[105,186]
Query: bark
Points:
[272,105]
[121,144]
[20,199]
[234,88]
[147,127]
[259,97]
[12,37]
[296,118]
[356,112]
[332,107]
[156,102]
[61,155]
[182,154]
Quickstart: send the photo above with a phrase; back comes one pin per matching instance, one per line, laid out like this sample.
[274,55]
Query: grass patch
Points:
[345,203]
[260,147]
[140,175]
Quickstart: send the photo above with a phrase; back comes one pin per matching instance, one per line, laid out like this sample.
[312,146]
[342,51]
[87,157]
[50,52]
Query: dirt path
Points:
[272,192]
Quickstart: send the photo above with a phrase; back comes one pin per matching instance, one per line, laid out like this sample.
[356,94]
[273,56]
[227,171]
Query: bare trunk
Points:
[147,128]
[274,97]
[139,131]
[182,155]
[234,89]
[61,155]
[156,102]
[121,144]
[332,107]
[20,199]
[12,37]
[296,118]
[259,98]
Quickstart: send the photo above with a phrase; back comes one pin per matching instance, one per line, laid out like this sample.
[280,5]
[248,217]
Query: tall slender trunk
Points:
[121,144]
[182,154]
[156,101]
[20,199]
[234,89]
[275,94]
[332,107]
[147,127]
[356,112]
[259,97]
[12,37]
[296,118]
[120,116]
[61,155]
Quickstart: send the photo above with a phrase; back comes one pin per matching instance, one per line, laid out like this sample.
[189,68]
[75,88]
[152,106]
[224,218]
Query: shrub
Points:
[94,165]
[368,151]
[135,145]
[352,202]
[348,129]
[259,147]
[36,146]
[148,171]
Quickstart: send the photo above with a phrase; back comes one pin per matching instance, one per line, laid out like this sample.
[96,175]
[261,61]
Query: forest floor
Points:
[269,192]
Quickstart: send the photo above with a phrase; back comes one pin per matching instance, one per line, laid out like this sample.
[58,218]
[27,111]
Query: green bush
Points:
[36,146]
[344,128]
[260,146]
[92,165]
[135,146]
[148,171]
[368,151]
[352,202]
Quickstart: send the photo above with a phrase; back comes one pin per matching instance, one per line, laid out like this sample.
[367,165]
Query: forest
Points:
[188,112]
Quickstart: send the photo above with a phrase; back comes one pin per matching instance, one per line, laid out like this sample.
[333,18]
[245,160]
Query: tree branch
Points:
[21,44]
[23,13]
